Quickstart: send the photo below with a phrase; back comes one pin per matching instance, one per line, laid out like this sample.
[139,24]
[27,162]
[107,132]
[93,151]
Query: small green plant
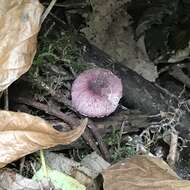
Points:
[118,149]
[62,49]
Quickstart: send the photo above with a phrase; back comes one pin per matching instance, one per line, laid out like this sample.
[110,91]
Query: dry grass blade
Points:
[47,11]
[22,134]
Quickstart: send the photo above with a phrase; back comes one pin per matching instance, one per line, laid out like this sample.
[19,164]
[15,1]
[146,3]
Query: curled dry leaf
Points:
[143,172]
[20,23]
[22,134]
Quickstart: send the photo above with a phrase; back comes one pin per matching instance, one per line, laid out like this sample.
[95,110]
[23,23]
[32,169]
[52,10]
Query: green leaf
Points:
[59,180]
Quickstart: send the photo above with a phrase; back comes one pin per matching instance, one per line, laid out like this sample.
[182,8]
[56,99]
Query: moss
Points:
[57,62]
[59,50]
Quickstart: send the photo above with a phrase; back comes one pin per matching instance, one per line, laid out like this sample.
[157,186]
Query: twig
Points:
[102,146]
[182,92]
[58,19]
[21,165]
[171,158]
[47,11]
[120,134]
[70,5]
[178,74]
[140,149]
[6,99]
[63,99]
[164,90]
[59,98]
[49,29]
[90,141]
[68,119]
[34,170]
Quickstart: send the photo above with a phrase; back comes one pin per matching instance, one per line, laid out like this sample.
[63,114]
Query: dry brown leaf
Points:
[19,25]
[22,134]
[143,173]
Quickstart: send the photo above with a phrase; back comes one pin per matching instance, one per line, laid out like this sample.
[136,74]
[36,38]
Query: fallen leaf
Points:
[59,180]
[22,134]
[19,25]
[143,172]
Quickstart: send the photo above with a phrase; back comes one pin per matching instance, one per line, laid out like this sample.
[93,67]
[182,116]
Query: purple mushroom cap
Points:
[96,92]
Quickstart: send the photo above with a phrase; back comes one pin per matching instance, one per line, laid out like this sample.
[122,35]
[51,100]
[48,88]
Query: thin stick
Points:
[171,158]
[178,74]
[67,119]
[51,111]
[34,170]
[120,135]
[90,141]
[102,146]
[6,99]
[47,11]
[70,4]
[22,165]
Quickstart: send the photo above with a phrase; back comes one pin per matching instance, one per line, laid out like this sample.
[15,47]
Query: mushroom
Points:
[96,92]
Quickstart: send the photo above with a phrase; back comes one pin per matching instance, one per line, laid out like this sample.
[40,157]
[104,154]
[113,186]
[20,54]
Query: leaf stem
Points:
[44,166]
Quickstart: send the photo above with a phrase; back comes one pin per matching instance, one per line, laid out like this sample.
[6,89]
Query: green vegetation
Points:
[118,150]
